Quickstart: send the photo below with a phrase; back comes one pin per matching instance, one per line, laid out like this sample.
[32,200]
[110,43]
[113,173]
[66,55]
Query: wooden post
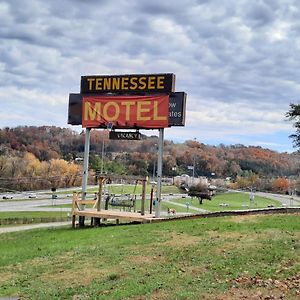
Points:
[134,204]
[101,181]
[99,200]
[74,199]
[143,197]
[151,199]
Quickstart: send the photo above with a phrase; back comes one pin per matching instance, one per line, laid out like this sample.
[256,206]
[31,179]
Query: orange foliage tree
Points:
[280,185]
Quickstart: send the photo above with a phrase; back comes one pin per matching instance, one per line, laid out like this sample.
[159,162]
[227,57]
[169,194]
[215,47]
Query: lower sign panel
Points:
[177,107]
[125,135]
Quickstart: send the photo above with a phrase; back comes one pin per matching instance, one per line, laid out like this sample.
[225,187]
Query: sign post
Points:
[159,171]
[85,170]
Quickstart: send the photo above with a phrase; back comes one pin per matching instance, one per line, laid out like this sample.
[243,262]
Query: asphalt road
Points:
[34,205]
[285,200]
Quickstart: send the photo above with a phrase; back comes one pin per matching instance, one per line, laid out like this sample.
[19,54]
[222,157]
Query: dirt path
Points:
[32,226]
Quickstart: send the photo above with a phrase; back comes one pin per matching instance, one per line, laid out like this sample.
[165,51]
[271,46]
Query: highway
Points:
[43,202]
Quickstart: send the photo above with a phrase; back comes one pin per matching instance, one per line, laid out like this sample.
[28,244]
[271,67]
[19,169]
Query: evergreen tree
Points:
[294,115]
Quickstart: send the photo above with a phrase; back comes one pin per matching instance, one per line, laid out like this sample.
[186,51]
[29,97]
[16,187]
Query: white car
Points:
[7,197]
[32,196]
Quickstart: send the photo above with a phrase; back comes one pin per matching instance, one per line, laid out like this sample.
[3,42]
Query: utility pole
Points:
[194,163]
[153,175]
[193,168]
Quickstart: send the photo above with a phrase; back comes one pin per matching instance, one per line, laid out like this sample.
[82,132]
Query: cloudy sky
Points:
[238,61]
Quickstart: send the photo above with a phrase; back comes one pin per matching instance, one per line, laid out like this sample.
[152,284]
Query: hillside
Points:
[138,157]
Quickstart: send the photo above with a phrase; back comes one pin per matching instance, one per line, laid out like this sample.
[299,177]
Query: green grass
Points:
[125,189]
[164,206]
[28,217]
[235,201]
[214,258]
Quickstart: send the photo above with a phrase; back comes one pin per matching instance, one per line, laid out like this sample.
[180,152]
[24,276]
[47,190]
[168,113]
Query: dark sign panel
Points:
[75,109]
[128,84]
[125,135]
[177,107]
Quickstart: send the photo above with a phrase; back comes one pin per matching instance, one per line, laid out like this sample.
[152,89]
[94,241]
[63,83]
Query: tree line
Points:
[52,153]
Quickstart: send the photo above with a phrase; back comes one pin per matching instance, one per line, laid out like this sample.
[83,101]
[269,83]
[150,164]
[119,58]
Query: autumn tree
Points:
[247,180]
[280,185]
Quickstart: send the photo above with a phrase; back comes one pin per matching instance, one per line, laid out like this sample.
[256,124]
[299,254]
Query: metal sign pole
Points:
[159,171]
[85,169]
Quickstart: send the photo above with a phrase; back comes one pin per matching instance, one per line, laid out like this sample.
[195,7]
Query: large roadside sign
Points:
[128,84]
[176,114]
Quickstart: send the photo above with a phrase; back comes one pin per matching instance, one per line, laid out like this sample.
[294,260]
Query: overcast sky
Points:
[237,60]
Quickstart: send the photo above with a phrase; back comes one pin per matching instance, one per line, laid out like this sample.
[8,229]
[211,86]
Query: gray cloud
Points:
[241,53]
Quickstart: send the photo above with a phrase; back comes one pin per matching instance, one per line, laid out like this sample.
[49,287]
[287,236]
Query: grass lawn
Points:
[126,189]
[235,201]
[248,257]
[164,207]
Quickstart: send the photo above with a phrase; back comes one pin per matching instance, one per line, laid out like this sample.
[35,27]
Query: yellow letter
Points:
[107,83]
[116,113]
[125,83]
[142,82]
[116,83]
[151,83]
[160,82]
[133,83]
[155,113]
[91,113]
[141,109]
[99,84]
[127,112]
[90,81]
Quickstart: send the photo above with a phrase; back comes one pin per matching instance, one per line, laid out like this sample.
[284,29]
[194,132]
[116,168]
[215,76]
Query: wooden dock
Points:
[98,214]
[115,215]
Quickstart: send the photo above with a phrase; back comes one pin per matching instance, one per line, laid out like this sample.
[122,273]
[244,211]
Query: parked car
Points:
[7,197]
[32,196]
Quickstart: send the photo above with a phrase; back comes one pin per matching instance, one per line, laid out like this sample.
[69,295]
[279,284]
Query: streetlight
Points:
[153,174]
[194,162]
[102,154]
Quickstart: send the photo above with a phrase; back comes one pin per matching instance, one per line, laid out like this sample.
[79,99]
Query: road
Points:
[34,205]
[43,203]
[285,200]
